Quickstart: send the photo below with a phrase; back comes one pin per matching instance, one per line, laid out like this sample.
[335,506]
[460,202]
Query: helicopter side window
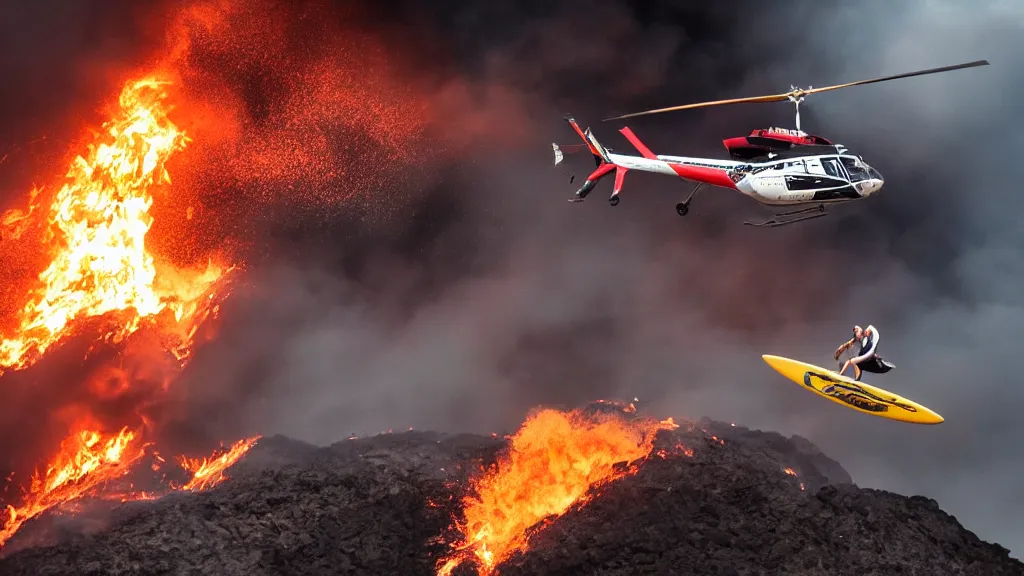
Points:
[832,168]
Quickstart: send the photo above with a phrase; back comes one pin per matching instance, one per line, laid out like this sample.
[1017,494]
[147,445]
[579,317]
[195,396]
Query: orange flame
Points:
[98,264]
[554,460]
[678,449]
[208,472]
[98,221]
[84,461]
[88,460]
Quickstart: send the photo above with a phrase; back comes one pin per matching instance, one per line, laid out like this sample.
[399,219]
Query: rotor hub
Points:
[797,95]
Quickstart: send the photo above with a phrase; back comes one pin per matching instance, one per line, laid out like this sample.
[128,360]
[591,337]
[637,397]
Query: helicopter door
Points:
[834,169]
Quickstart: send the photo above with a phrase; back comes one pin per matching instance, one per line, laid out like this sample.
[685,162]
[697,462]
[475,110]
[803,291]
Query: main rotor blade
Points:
[772,98]
[800,92]
[898,76]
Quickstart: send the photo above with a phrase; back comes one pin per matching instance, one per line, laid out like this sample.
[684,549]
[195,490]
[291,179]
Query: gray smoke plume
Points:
[567,303]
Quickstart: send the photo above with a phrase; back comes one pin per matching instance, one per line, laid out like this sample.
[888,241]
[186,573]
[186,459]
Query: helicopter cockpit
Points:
[864,178]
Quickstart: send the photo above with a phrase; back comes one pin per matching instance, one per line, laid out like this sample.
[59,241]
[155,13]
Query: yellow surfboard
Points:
[852,394]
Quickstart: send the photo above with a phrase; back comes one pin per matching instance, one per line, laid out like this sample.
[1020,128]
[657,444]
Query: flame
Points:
[553,462]
[678,449]
[98,264]
[793,473]
[85,460]
[98,223]
[208,472]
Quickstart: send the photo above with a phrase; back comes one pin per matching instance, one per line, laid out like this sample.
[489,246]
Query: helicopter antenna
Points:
[796,95]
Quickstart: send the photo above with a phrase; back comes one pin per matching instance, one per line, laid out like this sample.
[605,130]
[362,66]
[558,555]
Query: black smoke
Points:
[486,293]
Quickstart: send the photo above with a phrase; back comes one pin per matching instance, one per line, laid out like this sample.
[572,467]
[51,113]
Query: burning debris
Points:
[381,505]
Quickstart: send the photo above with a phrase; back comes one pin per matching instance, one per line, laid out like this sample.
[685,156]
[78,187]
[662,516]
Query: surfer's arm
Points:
[843,347]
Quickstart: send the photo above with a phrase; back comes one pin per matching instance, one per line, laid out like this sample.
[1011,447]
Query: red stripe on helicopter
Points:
[601,171]
[713,176]
[576,128]
[620,176]
[644,150]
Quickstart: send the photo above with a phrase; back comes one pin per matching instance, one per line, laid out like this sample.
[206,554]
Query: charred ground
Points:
[383,505]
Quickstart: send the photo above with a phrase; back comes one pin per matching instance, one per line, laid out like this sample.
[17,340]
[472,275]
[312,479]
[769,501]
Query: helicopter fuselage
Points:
[804,170]
[823,174]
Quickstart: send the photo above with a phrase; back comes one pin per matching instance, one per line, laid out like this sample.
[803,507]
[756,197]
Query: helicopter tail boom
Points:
[679,167]
[693,169]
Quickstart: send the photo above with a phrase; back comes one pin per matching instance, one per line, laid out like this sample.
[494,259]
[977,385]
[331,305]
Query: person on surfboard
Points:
[867,359]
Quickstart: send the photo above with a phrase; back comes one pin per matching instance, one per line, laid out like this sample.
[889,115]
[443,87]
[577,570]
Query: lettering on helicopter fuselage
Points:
[781,166]
[703,165]
[786,131]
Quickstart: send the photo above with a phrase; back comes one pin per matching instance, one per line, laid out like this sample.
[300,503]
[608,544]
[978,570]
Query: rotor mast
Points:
[796,96]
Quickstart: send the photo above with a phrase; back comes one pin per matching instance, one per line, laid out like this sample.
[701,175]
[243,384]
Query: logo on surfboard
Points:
[852,394]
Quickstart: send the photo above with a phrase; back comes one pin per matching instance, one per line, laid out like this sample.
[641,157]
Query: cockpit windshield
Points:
[859,170]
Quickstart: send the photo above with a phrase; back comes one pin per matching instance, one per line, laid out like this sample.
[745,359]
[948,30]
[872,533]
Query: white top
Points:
[868,344]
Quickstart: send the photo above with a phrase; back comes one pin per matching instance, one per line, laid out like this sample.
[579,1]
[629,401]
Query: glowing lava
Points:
[553,462]
[98,223]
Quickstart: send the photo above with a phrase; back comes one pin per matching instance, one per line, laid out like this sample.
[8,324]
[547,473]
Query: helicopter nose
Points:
[870,186]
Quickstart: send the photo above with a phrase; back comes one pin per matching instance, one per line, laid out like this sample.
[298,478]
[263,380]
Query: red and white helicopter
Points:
[776,167]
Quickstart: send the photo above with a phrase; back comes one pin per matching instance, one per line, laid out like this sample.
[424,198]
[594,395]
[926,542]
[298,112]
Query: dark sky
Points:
[485,293]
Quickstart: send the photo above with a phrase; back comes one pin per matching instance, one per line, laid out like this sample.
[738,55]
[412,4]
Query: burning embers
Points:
[554,462]
[98,266]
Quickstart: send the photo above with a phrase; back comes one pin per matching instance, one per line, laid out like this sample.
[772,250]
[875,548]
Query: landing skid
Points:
[683,208]
[792,217]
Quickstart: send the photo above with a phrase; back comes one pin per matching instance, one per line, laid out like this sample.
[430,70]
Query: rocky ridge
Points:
[378,506]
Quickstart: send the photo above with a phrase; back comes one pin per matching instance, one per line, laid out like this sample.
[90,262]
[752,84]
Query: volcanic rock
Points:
[712,499]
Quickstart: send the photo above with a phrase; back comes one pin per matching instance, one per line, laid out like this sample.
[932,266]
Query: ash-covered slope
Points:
[375,506]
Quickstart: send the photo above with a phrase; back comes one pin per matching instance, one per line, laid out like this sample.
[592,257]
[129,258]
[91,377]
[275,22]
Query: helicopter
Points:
[777,167]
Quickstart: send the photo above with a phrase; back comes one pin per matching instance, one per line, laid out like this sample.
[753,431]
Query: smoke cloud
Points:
[483,293]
